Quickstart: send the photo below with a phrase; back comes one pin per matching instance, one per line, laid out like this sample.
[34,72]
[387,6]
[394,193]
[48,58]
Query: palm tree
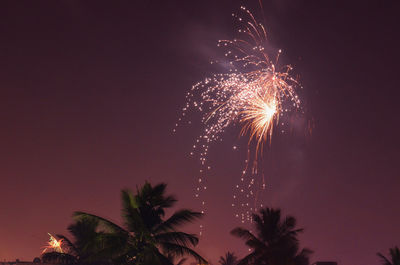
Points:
[145,237]
[229,259]
[394,257]
[88,245]
[275,241]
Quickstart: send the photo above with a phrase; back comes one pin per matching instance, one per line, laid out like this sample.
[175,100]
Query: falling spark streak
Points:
[53,244]
[255,94]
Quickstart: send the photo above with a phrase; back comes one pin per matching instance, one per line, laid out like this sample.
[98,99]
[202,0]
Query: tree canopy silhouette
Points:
[275,240]
[87,246]
[146,238]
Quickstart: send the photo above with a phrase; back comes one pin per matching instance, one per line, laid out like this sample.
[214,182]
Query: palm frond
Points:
[247,260]
[180,251]
[107,223]
[128,199]
[180,238]
[395,255]
[385,261]
[133,220]
[112,245]
[243,233]
[289,223]
[303,258]
[179,218]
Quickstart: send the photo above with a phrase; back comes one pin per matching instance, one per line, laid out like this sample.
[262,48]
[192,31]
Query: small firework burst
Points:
[53,245]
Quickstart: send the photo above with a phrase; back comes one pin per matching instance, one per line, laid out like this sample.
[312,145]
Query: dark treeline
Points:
[147,237]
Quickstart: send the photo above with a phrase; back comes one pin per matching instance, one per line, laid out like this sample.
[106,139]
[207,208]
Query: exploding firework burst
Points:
[255,94]
[53,245]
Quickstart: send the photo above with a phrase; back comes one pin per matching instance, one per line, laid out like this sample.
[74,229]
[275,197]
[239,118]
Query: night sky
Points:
[90,92]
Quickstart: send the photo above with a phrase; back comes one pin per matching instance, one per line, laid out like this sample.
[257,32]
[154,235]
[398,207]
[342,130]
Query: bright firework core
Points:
[258,119]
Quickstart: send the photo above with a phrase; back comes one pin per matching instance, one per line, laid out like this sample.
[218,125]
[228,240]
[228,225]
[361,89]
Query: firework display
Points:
[254,95]
[53,245]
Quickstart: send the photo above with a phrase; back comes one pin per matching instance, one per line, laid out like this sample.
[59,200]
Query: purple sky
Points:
[90,91]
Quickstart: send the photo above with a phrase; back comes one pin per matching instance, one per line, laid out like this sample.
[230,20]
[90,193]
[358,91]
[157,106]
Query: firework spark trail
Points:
[254,94]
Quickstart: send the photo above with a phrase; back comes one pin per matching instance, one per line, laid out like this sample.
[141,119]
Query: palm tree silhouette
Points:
[229,259]
[87,247]
[275,241]
[394,257]
[145,238]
